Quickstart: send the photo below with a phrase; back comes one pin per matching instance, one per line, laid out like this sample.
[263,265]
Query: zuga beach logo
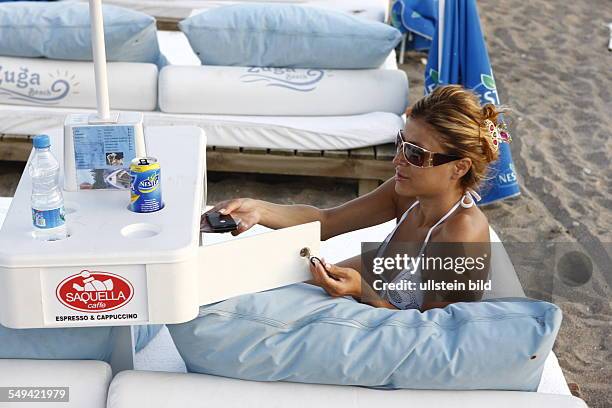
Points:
[28,86]
[486,89]
[94,291]
[303,80]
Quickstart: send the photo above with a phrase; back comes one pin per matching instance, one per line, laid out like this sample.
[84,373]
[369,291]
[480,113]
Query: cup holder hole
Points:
[140,231]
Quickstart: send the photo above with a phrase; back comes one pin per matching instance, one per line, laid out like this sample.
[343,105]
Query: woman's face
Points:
[414,181]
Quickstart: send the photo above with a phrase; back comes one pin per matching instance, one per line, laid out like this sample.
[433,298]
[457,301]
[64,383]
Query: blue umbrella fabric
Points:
[458,55]
[417,17]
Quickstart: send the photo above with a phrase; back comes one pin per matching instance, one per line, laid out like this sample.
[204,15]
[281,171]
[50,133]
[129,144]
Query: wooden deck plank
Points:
[363,153]
[385,152]
[167,24]
[254,150]
[336,153]
[282,152]
[309,153]
[300,165]
[227,149]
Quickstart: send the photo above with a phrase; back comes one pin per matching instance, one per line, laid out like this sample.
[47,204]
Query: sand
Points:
[551,66]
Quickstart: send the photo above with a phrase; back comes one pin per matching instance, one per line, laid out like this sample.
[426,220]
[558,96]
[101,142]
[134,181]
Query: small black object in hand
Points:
[221,223]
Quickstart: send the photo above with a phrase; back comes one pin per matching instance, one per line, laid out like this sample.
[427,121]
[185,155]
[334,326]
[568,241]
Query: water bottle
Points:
[48,216]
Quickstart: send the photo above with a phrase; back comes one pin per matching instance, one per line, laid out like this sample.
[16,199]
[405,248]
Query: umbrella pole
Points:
[441,8]
[99,58]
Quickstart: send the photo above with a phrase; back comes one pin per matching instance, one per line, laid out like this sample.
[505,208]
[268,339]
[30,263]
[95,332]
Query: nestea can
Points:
[145,185]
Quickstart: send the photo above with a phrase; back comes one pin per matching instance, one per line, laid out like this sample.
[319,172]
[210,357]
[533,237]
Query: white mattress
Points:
[268,132]
[275,132]
[52,83]
[281,91]
[165,390]
[188,87]
[180,9]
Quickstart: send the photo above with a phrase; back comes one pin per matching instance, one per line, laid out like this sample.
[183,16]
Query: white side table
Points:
[146,268]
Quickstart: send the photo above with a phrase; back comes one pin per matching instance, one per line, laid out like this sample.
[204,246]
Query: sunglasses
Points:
[419,157]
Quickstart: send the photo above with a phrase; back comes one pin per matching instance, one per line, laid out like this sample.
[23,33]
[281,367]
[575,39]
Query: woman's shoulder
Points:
[468,225]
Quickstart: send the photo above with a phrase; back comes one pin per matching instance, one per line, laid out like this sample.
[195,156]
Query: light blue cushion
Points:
[62,31]
[87,343]
[298,333]
[285,35]
[143,334]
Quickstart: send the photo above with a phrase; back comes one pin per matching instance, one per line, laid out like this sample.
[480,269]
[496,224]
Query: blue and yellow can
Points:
[145,185]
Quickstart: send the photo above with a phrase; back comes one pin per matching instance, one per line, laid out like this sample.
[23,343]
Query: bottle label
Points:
[45,219]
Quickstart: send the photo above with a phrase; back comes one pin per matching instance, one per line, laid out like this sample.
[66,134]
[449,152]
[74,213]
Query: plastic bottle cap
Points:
[41,141]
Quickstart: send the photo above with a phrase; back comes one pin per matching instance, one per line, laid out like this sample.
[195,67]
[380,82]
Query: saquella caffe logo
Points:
[94,291]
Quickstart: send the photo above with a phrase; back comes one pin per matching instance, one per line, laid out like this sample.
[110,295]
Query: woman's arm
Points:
[365,211]
[371,209]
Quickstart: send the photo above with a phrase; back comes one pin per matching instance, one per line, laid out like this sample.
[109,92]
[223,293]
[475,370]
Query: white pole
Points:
[402,47]
[441,8]
[99,58]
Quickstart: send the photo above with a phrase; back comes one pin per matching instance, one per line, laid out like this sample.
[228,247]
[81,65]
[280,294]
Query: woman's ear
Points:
[462,166]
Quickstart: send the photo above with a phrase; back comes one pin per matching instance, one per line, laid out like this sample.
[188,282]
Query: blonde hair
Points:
[458,118]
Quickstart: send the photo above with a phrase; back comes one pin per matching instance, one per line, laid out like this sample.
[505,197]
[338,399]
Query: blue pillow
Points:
[79,343]
[62,31]
[285,35]
[298,333]
[143,334]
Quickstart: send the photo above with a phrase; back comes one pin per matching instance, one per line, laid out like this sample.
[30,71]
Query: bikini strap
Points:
[469,198]
[407,211]
[467,201]
[402,218]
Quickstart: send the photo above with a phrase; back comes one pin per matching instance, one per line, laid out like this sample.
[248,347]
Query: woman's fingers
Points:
[331,286]
[317,272]
[230,206]
[243,223]
[336,272]
[223,207]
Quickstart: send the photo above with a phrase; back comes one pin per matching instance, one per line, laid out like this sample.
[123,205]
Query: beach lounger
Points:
[170,386]
[346,146]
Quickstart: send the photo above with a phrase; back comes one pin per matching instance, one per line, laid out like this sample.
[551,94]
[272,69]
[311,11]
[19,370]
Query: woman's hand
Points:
[244,211]
[337,281]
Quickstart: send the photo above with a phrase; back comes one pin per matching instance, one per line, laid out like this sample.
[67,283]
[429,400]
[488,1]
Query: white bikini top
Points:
[413,299]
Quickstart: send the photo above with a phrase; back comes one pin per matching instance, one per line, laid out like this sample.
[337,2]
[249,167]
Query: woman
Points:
[442,155]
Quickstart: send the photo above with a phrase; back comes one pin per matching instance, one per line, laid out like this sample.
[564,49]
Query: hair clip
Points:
[497,134]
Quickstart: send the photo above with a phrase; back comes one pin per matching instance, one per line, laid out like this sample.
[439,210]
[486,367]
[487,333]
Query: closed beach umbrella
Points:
[458,55]
[417,17]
